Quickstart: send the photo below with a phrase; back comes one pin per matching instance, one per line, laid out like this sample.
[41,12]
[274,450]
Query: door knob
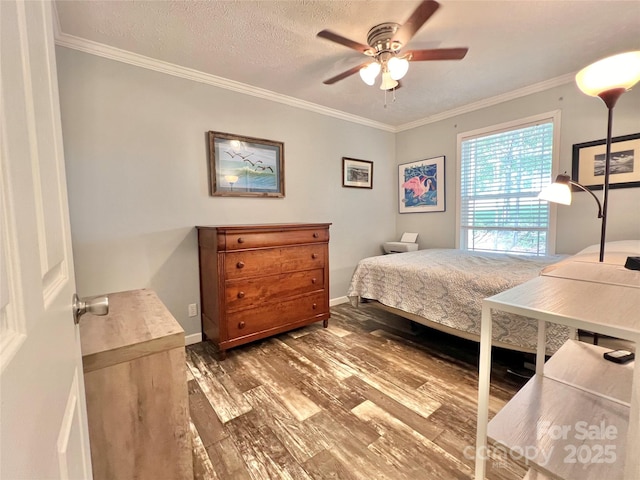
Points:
[97,306]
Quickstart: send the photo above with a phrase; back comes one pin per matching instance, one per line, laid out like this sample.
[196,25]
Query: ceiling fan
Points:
[384,44]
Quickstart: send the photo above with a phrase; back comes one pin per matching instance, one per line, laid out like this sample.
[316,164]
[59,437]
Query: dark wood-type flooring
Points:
[367,398]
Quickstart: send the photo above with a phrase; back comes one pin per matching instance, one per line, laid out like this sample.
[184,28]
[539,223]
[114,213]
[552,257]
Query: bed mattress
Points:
[447,286]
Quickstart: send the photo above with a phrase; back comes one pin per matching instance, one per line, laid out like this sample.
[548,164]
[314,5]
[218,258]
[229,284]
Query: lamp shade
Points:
[620,71]
[398,67]
[370,72]
[387,82]
[556,193]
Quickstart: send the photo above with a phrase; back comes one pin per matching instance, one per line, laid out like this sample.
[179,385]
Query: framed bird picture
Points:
[245,166]
[421,186]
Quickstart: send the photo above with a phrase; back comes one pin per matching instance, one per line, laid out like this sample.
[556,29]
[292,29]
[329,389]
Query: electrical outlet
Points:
[193,309]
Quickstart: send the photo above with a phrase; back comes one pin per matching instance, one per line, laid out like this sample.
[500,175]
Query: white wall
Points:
[583,119]
[136,154]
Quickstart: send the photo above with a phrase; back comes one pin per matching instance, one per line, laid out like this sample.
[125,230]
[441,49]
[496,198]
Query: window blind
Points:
[501,176]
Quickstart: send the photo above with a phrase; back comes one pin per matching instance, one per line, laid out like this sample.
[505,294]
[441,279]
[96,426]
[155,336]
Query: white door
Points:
[43,414]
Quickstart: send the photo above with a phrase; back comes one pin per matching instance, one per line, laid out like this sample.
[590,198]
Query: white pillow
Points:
[622,246]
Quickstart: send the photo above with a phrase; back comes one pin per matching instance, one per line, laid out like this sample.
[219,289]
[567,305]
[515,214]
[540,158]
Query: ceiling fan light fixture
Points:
[369,73]
[384,46]
[398,67]
[387,82]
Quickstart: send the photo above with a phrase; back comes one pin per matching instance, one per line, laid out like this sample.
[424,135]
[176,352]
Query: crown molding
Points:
[112,53]
[124,56]
[488,102]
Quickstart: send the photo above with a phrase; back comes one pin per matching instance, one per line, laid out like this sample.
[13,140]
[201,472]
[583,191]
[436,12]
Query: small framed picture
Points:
[421,186]
[245,166]
[357,173]
[588,163]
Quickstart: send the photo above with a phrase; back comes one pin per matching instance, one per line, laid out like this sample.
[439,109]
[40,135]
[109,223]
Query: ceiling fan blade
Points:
[334,37]
[437,54]
[344,75]
[415,21]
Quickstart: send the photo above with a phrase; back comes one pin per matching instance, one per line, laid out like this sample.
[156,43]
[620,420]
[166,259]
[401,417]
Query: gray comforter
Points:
[447,287]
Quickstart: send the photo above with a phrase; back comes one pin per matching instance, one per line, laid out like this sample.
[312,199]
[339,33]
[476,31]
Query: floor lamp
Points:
[608,79]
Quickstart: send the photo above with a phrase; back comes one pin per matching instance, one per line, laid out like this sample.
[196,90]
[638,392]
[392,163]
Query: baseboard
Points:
[193,338]
[338,301]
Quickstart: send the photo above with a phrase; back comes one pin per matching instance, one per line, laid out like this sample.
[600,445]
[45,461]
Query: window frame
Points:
[552,117]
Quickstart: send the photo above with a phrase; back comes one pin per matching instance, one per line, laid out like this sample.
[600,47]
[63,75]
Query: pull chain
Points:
[393,99]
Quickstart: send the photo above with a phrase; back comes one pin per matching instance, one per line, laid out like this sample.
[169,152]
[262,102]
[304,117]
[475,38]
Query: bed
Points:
[444,289]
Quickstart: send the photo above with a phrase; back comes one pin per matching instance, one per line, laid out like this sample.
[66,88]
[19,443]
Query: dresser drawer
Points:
[246,322]
[242,294]
[303,258]
[239,240]
[272,261]
[252,263]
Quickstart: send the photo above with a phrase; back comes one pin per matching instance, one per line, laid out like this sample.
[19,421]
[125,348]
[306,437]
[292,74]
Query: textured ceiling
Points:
[273,45]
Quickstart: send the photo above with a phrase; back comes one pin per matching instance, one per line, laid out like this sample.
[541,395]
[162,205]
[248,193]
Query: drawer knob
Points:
[240,294]
[314,280]
[316,235]
[240,264]
[314,306]
[314,255]
[240,240]
[241,325]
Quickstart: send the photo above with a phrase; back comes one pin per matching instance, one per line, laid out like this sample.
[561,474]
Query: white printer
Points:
[407,243]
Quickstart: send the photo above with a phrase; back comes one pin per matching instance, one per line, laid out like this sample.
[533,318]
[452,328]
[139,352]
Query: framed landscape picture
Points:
[357,173]
[588,163]
[421,186]
[245,166]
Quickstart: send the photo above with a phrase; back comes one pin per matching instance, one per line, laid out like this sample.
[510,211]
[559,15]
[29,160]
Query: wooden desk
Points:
[577,384]
[136,390]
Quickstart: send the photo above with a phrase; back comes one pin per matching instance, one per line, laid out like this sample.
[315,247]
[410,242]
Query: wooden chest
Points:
[261,280]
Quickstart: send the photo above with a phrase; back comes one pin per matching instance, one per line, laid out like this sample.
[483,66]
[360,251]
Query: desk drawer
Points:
[242,294]
[240,241]
[254,320]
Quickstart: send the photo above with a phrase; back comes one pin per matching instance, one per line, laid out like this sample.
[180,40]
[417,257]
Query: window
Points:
[502,170]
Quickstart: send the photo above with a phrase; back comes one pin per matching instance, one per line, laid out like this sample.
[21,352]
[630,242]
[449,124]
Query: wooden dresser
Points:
[136,388]
[261,280]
